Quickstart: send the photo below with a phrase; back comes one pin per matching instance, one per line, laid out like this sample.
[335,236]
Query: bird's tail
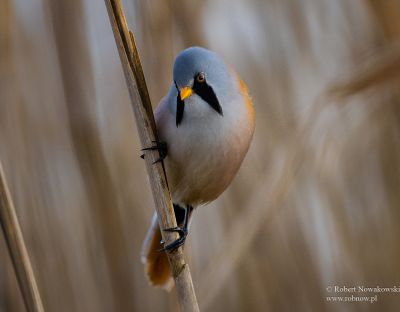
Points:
[155,260]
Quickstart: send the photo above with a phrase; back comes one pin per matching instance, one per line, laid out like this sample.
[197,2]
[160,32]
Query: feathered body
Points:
[206,148]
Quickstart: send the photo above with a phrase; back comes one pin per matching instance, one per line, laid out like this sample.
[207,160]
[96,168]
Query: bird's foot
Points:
[179,242]
[183,231]
[160,146]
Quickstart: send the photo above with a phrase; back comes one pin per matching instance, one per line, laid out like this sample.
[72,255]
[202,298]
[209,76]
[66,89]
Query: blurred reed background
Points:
[316,202]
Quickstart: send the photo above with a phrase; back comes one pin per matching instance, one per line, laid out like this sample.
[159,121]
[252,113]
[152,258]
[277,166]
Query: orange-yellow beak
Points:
[185,92]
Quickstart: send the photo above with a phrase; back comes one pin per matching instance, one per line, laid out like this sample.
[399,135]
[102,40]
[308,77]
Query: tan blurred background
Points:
[315,204]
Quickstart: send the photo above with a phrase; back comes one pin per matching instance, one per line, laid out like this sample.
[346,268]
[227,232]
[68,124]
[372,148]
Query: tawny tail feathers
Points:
[156,263]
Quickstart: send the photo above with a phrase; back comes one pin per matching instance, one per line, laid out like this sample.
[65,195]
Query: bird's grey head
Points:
[200,73]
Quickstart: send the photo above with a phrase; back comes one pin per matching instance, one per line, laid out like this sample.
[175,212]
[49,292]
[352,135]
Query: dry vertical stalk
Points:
[145,123]
[16,245]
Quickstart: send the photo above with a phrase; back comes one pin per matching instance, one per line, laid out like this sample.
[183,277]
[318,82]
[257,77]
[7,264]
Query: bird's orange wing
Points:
[248,101]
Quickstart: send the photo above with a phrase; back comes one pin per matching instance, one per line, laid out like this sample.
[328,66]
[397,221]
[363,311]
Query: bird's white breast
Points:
[206,150]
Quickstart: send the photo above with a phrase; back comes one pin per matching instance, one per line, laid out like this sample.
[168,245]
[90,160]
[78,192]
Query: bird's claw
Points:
[161,147]
[177,243]
[181,231]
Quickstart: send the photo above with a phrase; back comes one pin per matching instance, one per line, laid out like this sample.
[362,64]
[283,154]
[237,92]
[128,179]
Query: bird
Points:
[205,125]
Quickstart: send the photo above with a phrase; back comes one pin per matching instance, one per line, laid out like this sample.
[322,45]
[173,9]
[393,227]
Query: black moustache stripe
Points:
[180,106]
[206,92]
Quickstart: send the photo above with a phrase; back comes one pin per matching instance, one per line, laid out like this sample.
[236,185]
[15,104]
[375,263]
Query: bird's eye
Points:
[201,77]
